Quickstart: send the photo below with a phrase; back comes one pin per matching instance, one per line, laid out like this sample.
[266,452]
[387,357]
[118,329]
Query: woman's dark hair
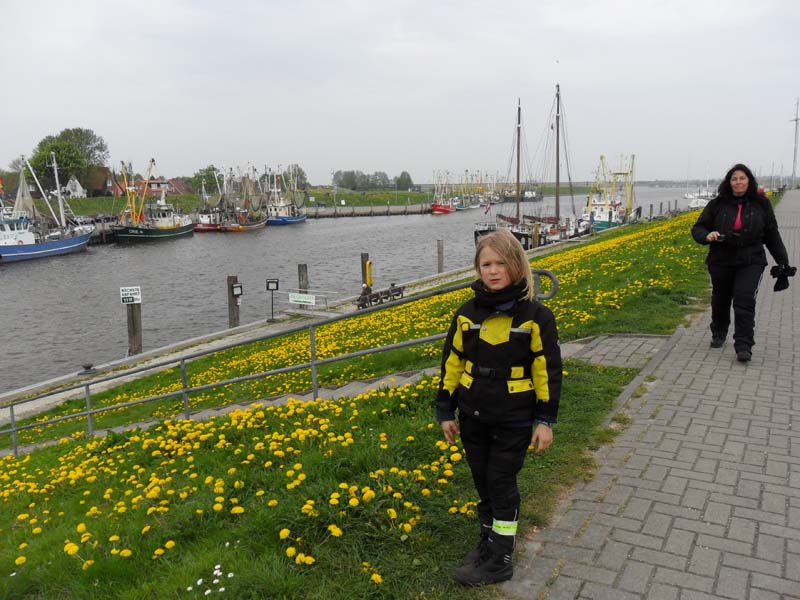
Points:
[725,189]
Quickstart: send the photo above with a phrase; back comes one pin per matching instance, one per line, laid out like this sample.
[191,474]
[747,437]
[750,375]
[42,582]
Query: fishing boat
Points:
[610,199]
[153,222]
[443,201]
[211,214]
[244,214]
[26,234]
[280,209]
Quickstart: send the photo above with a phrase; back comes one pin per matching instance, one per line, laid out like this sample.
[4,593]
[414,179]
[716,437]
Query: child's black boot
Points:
[492,565]
[474,554]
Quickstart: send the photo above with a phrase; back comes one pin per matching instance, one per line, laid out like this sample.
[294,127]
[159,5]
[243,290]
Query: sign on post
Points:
[130,295]
[306,299]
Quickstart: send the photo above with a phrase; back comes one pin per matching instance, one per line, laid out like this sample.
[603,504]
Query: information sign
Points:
[130,295]
[307,299]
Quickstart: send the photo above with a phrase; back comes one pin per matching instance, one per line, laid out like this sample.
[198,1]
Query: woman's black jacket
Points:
[744,247]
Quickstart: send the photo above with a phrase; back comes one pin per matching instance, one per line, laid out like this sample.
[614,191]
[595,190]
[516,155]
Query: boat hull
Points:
[242,227]
[124,233]
[442,209]
[44,249]
[206,227]
[286,220]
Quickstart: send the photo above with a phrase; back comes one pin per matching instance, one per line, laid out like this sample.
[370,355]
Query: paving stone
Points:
[732,583]
[635,577]
[704,561]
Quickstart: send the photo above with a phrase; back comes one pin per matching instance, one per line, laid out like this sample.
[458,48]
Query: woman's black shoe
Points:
[717,342]
[743,356]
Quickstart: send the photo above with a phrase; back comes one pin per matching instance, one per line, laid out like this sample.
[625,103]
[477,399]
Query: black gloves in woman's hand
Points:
[782,274]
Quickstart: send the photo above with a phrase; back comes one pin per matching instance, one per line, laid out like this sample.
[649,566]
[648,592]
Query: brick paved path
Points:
[700,497]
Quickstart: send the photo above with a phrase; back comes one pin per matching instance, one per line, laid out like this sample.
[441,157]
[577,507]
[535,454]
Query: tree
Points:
[92,146]
[404,181]
[207,174]
[69,157]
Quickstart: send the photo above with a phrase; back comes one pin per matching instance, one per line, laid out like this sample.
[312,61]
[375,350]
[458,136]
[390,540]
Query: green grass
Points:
[413,564]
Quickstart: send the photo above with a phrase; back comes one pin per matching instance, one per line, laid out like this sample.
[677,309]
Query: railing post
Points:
[89,421]
[313,344]
[13,430]
[183,389]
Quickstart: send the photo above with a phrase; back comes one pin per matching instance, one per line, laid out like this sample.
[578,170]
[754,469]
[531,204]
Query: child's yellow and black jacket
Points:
[501,361]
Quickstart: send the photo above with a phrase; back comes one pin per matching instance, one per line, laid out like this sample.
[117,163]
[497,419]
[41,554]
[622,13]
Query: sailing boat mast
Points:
[558,171]
[58,192]
[519,129]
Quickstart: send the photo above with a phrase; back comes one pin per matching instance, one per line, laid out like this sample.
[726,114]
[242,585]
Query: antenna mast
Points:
[794,161]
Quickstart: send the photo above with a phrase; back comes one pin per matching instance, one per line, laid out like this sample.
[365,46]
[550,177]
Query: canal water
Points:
[57,314]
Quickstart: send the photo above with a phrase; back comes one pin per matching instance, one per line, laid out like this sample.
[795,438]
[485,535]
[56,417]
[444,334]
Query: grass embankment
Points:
[349,498]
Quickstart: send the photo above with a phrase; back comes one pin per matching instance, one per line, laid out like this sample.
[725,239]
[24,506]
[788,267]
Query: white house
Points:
[73,189]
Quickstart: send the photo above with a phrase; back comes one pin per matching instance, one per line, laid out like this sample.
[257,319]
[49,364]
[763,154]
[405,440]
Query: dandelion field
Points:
[357,497]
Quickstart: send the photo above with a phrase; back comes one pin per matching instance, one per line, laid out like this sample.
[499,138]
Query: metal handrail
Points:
[185,390]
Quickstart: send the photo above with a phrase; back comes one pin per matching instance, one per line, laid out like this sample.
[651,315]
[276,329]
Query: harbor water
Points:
[60,313]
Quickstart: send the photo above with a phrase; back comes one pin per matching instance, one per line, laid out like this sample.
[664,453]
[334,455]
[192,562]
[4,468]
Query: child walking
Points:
[501,368]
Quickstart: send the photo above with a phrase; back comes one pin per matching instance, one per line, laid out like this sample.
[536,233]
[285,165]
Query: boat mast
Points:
[58,191]
[41,191]
[519,127]
[558,172]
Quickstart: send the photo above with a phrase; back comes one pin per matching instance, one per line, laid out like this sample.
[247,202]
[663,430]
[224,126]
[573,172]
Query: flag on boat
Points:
[488,207]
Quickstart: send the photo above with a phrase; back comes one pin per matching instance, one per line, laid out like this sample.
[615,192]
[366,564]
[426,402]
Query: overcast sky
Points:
[689,87]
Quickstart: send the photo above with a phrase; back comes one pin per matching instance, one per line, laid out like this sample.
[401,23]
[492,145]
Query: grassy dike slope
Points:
[358,497]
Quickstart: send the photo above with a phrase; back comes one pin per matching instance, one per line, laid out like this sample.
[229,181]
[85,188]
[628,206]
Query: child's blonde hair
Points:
[511,251]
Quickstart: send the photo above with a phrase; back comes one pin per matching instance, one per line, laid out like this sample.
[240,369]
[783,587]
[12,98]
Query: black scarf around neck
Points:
[507,296]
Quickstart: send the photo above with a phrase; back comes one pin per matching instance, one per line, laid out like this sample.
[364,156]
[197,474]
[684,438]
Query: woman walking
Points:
[736,225]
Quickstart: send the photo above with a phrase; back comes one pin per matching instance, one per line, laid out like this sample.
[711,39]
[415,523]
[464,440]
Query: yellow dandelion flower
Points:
[125,553]
[376,578]
[71,548]
[81,528]
[309,560]
[237,510]
[145,529]
[290,551]
[284,533]
[335,531]
[20,560]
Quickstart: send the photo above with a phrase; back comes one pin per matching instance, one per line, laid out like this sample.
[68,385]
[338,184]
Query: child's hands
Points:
[451,430]
[542,434]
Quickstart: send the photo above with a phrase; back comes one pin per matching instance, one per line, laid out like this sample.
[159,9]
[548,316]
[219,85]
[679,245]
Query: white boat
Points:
[610,200]
[280,210]
[26,234]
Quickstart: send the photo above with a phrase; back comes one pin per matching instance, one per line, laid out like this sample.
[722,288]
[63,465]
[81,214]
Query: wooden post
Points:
[302,275]
[661,208]
[233,304]
[134,329]
[440,256]
[535,235]
[651,212]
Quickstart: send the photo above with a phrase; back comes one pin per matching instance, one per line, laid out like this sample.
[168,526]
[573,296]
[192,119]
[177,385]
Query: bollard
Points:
[651,212]
[440,256]
[660,208]
[366,269]
[536,235]
[302,276]
[134,329]
[233,302]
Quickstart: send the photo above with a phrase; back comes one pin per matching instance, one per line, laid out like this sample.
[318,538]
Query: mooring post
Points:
[365,267]
[302,276]
[661,208]
[134,329]
[233,301]
[651,212]
[440,256]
